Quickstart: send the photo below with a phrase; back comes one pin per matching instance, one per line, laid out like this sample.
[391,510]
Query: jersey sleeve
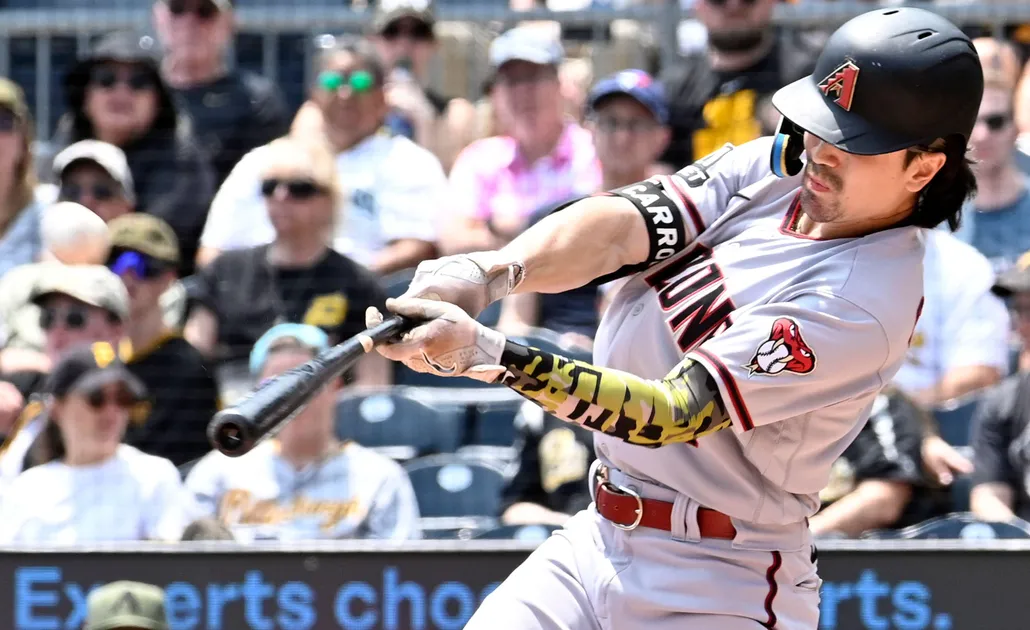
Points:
[394,514]
[411,194]
[205,485]
[237,217]
[784,360]
[169,508]
[979,336]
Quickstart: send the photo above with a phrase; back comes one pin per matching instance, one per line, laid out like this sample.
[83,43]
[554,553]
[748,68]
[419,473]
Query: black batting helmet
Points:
[887,80]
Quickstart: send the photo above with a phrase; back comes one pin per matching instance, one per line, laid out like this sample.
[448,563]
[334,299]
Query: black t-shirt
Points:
[183,396]
[249,296]
[708,109]
[234,114]
[554,459]
[889,448]
[1001,439]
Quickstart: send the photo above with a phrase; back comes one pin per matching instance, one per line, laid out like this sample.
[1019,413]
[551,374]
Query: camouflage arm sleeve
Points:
[682,407]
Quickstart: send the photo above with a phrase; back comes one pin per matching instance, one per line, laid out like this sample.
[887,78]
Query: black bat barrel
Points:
[236,430]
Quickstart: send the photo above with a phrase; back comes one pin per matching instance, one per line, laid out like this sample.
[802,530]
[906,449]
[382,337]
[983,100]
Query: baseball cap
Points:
[90,367]
[638,85]
[146,234]
[13,98]
[1016,279]
[390,11]
[309,336]
[106,156]
[126,605]
[95,285]
[526,44]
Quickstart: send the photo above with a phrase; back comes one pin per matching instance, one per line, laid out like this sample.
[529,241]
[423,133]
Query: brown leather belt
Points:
[627,510]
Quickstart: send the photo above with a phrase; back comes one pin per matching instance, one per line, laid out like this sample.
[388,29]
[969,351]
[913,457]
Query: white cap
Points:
[106,156]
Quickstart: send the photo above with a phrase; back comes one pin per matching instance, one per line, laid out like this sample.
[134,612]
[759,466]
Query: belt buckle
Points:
[630,492]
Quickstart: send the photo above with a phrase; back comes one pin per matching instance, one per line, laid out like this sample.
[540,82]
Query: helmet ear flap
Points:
[788,144]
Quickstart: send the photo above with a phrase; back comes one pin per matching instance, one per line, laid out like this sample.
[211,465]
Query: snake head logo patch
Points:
[785,350]
[840,84]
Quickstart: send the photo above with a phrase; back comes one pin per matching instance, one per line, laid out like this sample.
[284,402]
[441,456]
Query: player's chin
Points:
[819,207]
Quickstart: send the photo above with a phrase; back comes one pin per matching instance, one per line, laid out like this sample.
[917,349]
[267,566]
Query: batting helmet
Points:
[887,80]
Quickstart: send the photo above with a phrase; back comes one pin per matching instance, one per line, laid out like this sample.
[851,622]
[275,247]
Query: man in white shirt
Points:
[960,342]
[395,188]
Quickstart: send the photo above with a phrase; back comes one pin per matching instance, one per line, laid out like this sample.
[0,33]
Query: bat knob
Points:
[229,434]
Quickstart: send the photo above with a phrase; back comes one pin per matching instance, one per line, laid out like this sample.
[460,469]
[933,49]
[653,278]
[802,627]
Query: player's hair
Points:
[942,199]
[312,155]
[329,46]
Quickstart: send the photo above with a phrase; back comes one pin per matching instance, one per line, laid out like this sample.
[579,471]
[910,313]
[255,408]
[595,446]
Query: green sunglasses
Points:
[359,80]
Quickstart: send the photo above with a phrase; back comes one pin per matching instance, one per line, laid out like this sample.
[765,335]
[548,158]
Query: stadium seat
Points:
[521,533]
[962,525]
[954,419]
[494,422]
[452,486]
[409,378]
[397,425]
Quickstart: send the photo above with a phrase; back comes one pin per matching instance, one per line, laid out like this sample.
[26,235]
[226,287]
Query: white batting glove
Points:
[471,281]
[450,343]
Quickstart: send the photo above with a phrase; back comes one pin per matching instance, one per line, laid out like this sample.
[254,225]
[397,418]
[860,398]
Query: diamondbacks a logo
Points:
[784,350]
[840,84]
[127,604]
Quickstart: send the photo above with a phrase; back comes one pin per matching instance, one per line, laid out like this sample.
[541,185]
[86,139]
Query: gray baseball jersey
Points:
[355,493]
[798,334]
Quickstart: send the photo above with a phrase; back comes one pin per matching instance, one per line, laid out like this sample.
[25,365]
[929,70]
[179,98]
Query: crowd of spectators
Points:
[190,236]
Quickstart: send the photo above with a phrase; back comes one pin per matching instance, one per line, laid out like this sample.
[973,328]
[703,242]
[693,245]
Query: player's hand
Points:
[943,461]
[471,281]
[450,343]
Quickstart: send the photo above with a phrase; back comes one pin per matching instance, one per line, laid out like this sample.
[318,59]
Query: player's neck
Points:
[854,228]
[301,454]
[302,251]
[146,328]
[999,188]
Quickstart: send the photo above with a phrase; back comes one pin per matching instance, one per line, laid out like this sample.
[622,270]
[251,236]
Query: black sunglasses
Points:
[203,10]
[417,31]
[97,398]
[295,188]
[72,318]
[996,122]
[99,192]
[8,121]
[106,77]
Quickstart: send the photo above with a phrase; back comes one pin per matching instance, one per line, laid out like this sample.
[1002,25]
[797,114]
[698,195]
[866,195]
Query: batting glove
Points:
[471,281]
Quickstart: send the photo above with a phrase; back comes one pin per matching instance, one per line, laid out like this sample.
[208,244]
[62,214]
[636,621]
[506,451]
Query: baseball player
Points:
[757,315]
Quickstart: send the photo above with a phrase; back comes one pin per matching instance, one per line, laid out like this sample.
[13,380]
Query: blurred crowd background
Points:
[197,195]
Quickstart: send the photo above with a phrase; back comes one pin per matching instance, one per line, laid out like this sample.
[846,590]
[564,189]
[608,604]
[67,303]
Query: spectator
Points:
[404,36]
[115,94]
[498,183]
[126,606]
[628,118]
[79,304]
[72,235]
[395,189]
[86,486]
[551,483]
[295,278]
[723,94]
[22,207]
[997,221]
[305,483]
[233,111]
[878,482]
[960,343]
[183,394]
[96,175]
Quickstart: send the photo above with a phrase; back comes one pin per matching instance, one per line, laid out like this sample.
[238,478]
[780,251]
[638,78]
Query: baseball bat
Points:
[236,430]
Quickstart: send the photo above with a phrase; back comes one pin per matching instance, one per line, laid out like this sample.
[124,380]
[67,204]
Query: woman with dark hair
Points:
[85,485]
[116,94]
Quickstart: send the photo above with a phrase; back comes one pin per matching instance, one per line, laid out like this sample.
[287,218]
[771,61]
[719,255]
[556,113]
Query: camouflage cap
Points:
[126,605]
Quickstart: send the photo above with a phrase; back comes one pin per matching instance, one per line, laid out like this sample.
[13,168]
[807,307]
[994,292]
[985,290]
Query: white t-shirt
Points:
[962,323]
[393,189]
[353,493]
[131,496]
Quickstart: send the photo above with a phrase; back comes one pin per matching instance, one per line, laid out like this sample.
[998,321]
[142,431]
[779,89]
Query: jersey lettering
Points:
[692,290]
[697,173]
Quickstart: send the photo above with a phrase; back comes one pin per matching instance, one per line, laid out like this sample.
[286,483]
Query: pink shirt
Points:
[491,180]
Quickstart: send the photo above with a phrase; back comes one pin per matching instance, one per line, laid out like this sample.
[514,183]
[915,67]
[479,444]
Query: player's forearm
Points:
[874,504]
[682,407]
[587,240]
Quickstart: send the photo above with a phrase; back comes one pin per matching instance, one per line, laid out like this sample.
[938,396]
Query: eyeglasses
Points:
[98,398]
[610,124]
[137,79]
[99,192]
[71,318]
[417,31]
[8,121]
[360,81]
[295,188]
[141,265]
[995,122]
[203,10]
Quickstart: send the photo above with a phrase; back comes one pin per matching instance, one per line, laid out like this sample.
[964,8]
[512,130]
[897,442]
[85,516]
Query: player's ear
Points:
[923,169]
